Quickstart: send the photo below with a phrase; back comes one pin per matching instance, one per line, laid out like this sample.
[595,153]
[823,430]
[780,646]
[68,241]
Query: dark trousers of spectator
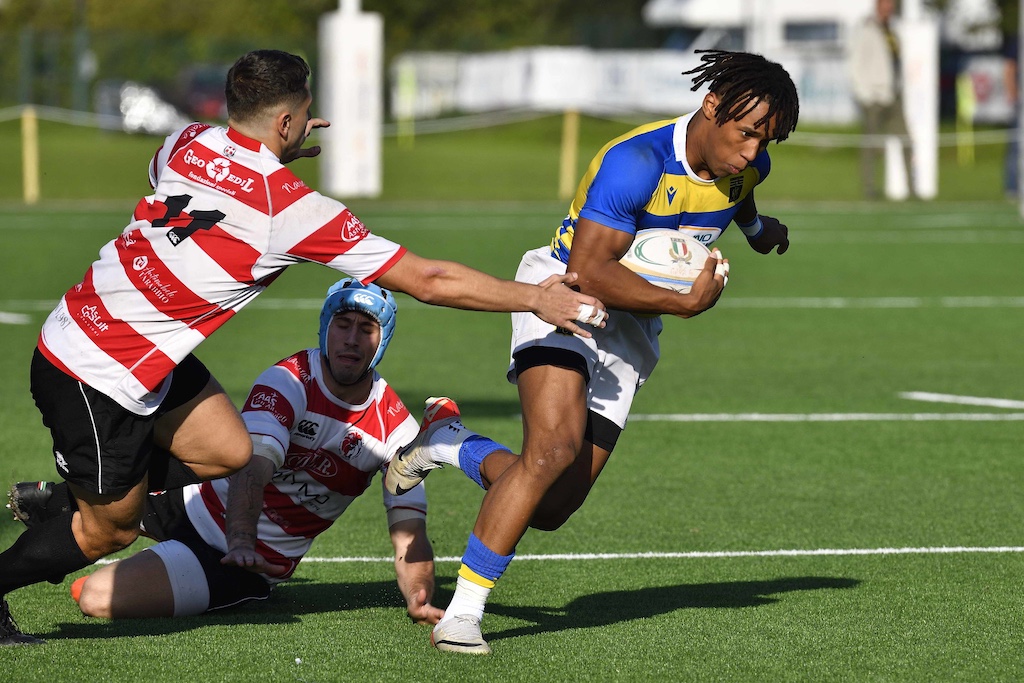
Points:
[879,122]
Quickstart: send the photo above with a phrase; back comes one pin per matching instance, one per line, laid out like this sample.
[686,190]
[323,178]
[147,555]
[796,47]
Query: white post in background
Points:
[1019,111]
[351,85]
[919,52]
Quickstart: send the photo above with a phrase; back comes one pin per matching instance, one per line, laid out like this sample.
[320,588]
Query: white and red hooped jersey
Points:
[225,219]
[326,453]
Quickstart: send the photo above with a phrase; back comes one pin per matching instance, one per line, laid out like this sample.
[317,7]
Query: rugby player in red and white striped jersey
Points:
[322,422]
[225,219]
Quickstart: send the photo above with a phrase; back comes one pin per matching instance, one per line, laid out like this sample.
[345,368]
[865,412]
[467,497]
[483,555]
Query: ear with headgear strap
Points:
[352,295]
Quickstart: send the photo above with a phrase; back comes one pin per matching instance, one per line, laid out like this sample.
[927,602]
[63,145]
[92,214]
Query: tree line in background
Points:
[57,51]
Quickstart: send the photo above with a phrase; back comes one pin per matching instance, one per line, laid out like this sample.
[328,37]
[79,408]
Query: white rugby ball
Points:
[666,258]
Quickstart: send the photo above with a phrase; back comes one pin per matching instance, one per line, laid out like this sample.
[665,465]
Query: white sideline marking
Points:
[713,554]
[829,417]
[962,400]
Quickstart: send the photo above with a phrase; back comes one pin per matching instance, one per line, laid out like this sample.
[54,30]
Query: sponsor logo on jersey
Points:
[306,429]
[151,279]
[62,463]
[267,399]
[353,230]
[90,315]
[293,186]
[318,462]
[219,171]
[299,370]
[351,445]
[703,235]
[735,188]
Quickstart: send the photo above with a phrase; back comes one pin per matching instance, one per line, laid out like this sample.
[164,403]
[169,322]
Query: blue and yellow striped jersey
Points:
[642,180]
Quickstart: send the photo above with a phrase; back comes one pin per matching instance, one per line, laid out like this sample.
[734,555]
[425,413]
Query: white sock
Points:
[446,443]
[469,599]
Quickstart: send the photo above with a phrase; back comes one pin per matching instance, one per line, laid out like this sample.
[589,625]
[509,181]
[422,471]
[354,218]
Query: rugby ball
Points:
[666,258]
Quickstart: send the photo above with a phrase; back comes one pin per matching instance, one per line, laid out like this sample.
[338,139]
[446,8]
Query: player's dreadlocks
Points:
[741,79]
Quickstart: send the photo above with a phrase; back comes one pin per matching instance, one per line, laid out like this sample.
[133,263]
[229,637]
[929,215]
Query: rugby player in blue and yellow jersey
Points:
[697,174]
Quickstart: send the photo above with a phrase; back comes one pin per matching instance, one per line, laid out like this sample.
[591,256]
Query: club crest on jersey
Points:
[351,445]
[735,188]
[229,151]
[353,230]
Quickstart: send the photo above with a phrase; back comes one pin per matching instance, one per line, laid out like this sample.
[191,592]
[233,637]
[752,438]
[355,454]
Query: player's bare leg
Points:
[105,524]
[137,586]
[206,434]
[566,495]
[554,420]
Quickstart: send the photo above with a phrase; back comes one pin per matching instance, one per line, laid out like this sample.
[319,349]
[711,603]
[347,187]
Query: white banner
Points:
[594,82]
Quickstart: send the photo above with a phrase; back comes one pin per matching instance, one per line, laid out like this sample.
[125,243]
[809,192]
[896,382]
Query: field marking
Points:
[829,417]
[962,400]
[14,318]
[712,554]
[760,302]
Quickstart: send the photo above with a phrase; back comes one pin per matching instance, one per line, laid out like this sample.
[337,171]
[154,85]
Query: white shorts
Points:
[619,357]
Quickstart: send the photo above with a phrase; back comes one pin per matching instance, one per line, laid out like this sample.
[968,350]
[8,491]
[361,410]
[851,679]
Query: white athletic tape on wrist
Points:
[753,229]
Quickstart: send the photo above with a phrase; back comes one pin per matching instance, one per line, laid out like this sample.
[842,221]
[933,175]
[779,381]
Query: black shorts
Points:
[601,431]
[98,444]
[165,519]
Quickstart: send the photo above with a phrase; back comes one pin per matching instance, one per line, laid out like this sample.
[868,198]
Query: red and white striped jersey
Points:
[326,452]
[225,219]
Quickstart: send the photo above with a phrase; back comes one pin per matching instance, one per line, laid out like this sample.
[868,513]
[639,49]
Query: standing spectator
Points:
[878,89]
[1011,82]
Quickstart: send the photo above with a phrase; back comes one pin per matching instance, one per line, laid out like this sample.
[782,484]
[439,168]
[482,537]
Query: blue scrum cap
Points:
[352,295]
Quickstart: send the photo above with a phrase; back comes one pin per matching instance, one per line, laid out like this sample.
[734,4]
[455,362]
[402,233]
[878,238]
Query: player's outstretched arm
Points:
[596,250]
[414,566]
[245,501]
[447,283]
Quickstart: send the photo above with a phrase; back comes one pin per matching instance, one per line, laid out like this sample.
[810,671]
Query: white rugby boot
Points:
[462,634]
[413,463]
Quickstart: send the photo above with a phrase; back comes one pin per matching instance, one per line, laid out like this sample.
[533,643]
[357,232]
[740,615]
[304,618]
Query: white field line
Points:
[14,318]
[829,417]
[962,400]
[711,554]
[837,302]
